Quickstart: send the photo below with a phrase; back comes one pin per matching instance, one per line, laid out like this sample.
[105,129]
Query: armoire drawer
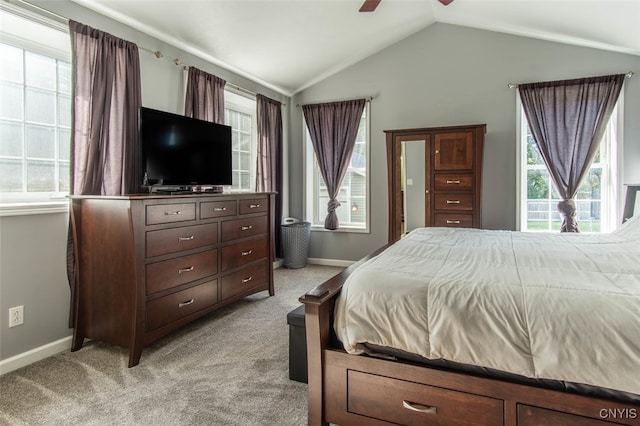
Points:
[173,240]
[241,281]
[453,181]
[453,220]
[170,213]
[174,306]
[453,201]
[410,403]
[173,272]
[243,253]
[213,209]
[241,228]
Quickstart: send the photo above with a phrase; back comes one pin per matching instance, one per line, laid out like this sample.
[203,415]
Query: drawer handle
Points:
[419,407]
[185,238]
[247,253]
[254,206]
[189,269]
[453,201]
[246,280]
[177,212]
[244,228]
[453,182]
[453,222]
[219,209]
[187,303]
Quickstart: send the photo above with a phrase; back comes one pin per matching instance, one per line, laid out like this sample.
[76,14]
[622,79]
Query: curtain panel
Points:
[105,155]
[204,99]
[568,120]
[269,176]
[333,128]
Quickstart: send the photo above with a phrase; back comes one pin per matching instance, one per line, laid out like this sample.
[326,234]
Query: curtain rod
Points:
[63,23]
[367,99]
[512,85]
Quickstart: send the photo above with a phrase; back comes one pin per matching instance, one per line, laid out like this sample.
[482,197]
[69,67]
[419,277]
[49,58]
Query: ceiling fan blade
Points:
[445,2]
[369,5]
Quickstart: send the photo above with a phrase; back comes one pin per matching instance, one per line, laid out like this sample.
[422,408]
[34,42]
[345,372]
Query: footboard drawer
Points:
[410,403]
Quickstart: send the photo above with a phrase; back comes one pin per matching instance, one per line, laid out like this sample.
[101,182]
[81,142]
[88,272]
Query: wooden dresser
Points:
[149,264]
[450,182]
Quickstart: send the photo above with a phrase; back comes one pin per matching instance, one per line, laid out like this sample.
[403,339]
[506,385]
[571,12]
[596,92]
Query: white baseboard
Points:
[330,262]
[34,355]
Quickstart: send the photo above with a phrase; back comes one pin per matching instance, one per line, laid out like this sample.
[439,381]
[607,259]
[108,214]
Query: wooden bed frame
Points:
[357,389]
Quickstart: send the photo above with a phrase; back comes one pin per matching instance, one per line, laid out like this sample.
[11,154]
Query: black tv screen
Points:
[183,151]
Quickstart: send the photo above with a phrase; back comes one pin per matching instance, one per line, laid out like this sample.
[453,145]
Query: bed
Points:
[466,326]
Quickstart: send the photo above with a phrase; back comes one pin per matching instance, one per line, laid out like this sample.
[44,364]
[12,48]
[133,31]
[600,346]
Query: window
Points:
[597,197]
[35,108]
[353,195]
[240,114]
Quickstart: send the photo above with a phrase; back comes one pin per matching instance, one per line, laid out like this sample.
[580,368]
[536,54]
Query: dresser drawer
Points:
[243,253]
[453,201]
[170,308]
[453,220]
[241,281]
[218,209]
[170,213]
[253,206]
[177,239]
[453,181]
[410,403]
[174,272]
[240,228]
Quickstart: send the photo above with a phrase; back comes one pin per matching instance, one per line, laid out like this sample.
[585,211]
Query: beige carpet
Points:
[229,368]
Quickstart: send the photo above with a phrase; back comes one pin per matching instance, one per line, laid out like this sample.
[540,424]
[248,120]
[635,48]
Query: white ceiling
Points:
[288,45]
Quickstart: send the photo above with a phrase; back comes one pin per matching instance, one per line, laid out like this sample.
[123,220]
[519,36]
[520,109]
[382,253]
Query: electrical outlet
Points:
[16,316]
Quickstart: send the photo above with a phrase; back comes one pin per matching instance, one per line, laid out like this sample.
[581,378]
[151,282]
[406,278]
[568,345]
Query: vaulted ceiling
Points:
[288,45]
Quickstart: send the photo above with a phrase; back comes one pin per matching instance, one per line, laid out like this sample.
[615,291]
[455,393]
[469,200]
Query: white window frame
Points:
[29,39]
[612,175]
[312,175]
[238,101]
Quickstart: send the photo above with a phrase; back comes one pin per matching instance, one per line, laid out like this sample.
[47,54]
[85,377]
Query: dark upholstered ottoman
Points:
[297,345]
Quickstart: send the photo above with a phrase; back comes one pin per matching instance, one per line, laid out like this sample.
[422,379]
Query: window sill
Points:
[35,207]
[320,228]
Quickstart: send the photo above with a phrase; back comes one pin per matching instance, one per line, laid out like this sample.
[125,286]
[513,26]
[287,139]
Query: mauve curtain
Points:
[270,158]
[105,157]
[333,128]
[205,96]
[568,119]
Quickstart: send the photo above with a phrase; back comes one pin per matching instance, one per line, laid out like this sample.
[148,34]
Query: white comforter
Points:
[552,306]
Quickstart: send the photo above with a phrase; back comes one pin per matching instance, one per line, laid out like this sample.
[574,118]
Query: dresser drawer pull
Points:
[453,201]
[219,209]
[180,239]
[177,212]
[189,269]
[254,206]
[453,182]
[187,303]
[419,407]
[246,280]
[247,253]
[245,228]
[453,222]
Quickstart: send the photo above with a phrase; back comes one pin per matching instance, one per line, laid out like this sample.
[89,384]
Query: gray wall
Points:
[33,247]
[450,75]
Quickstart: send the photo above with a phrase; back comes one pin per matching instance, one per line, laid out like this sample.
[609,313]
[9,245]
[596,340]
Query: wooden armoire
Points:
[447,189]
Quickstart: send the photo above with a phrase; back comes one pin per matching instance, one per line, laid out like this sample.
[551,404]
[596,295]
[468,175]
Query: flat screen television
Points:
[180,153]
